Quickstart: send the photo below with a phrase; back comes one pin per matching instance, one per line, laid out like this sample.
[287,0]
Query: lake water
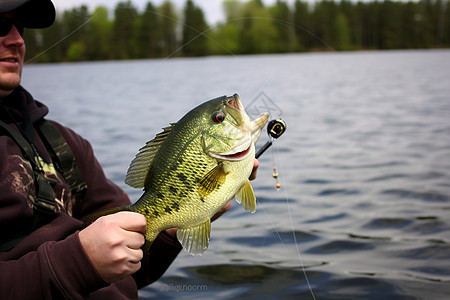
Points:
[363,211]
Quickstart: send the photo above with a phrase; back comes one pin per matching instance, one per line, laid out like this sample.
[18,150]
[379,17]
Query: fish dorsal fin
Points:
[137,172]
[246,197]
[212,180]
[195,239]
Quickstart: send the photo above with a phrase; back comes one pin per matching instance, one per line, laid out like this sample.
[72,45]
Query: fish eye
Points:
[218,117]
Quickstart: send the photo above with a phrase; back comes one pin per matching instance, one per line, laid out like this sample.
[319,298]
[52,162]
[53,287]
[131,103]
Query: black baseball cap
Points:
[32,13]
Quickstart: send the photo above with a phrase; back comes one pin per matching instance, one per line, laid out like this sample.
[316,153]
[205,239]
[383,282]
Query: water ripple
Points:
[279,237]
[327,218]
[385,223]
[339,246]
[386,177]
[316,181]
[434,196]
[337,191]
[435,251]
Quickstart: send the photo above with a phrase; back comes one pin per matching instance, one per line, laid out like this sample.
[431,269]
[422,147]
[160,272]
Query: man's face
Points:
[12,52]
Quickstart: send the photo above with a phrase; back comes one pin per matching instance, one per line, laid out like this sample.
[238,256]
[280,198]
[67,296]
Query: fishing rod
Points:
[275,129]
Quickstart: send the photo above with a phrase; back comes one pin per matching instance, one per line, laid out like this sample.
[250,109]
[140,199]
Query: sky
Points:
[211,8]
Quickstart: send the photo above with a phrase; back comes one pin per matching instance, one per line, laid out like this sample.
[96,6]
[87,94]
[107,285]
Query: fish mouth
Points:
[234,102]
[232,156]
[242,148]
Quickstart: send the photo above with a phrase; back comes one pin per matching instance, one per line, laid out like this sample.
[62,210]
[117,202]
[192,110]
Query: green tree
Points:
[342,36]
[194,39]
[232,9]
[52,46]
[169,22]
[348,10]
[76,51]
[99,35]
[125,16]
[224,39]
[31,37]
[446,40]
[257,31]
[75,25]
[389,25]
[302,25]
[149,33]
[434,14]
[285,35]
[322,24]
[225,36]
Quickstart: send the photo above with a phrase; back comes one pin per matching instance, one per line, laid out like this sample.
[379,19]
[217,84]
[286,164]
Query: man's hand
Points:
[113,244]
[255,170]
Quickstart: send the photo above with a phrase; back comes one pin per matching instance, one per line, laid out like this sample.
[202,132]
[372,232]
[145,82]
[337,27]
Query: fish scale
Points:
[193,168]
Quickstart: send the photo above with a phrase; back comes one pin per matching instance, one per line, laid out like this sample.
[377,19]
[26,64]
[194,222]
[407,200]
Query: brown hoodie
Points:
[50,262]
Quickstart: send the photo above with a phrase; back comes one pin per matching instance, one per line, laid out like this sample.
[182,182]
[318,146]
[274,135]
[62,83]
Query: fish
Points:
[190,170]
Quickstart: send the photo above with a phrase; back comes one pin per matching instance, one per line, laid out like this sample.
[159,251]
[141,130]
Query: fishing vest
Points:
[63,159]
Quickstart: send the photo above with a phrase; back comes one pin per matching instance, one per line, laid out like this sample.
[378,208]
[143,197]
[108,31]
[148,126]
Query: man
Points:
[44,252]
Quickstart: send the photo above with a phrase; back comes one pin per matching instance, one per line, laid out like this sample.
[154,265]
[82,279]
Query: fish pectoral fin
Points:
[246,197]
[212,180]
[137,172]
[195,239]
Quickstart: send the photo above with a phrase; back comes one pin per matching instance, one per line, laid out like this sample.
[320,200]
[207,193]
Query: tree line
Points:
[249,27]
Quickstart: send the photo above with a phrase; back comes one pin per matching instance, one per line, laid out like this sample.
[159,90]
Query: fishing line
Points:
[271,223]
[286,196]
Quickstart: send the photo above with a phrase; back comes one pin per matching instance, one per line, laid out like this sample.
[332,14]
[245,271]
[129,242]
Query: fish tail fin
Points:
[93,217]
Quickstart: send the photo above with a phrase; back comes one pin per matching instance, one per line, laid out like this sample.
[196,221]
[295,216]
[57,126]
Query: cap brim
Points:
[32,13]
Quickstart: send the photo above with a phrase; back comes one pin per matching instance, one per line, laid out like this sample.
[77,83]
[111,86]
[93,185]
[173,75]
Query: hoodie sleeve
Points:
[46,274]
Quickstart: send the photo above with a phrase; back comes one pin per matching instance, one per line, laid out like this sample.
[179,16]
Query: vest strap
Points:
[63,157]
